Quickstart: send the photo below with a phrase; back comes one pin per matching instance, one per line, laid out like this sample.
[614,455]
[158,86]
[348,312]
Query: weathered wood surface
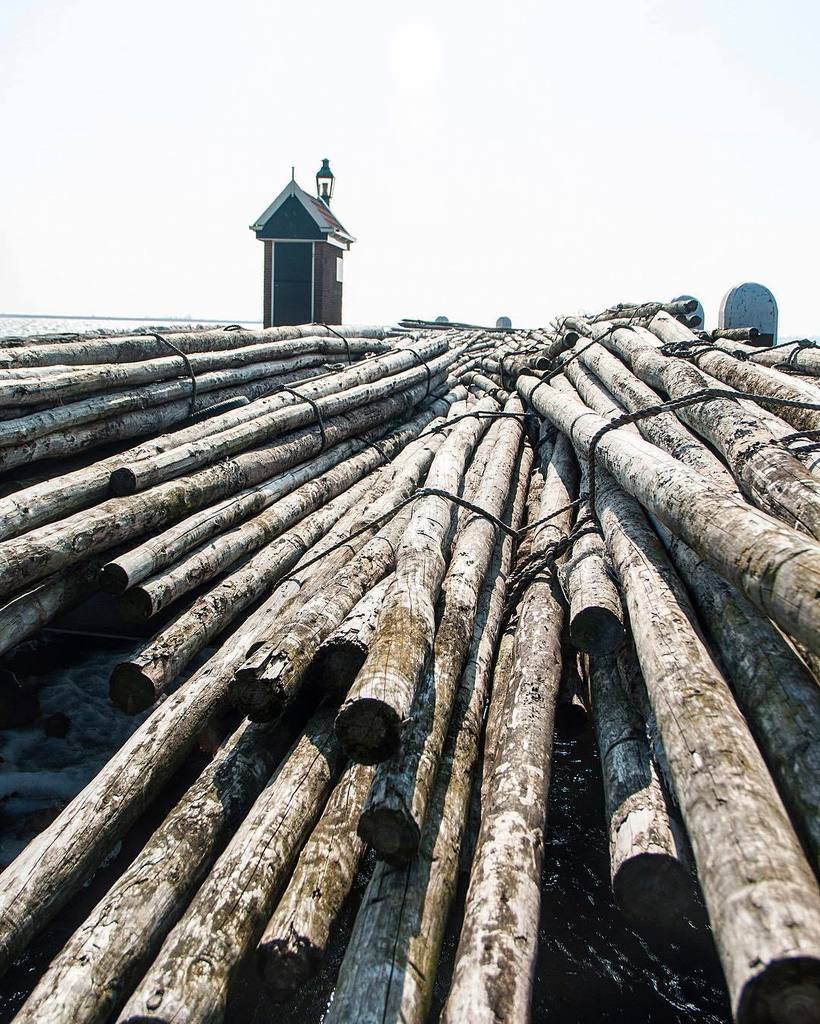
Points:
[228,914]
[36,351]
[233,541]
[769,475]
[64,855]
[777,694]
[495,960]
[211,388]
[50,548]
[340,657]
[296,937]
[369,721]
[746,376]
[359,454]
[23,616]
[277,668]
[761,894]
[777,568]
[155,665]
[596,618]
[798,357]
[57,383]
[650,876]
[396,806]
[101,963]
[390,965]
[263,420]
[665,429]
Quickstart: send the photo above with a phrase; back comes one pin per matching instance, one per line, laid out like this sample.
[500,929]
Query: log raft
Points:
[315,535]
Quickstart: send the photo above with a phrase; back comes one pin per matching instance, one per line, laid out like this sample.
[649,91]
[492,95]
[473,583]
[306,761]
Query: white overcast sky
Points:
[519,158]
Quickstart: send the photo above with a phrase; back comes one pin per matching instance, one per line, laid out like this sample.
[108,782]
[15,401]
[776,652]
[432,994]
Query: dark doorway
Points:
[292,283]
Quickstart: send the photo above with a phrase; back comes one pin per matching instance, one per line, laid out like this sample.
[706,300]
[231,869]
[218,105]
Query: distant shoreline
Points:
[141,319]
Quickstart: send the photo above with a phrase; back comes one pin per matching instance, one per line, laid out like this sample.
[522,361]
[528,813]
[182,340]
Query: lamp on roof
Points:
[324,182]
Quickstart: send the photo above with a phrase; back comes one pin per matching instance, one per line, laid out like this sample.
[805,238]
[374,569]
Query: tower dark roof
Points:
[284,218]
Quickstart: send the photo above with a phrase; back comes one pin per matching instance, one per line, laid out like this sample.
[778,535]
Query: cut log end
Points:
[123,481]
[394,836]
[131,689]
[113,579]
[654,891]
[369,730]
[596,630]
[285,966]
[256,697]
[136,605]
[784,992]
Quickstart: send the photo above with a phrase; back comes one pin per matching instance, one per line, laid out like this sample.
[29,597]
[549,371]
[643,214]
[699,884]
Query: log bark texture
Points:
[777,568]
[761,895]
[391,959]
[650,877]
[396,806]
[190,977]
[369,721]
[495,960]
[104,959]
[296,937]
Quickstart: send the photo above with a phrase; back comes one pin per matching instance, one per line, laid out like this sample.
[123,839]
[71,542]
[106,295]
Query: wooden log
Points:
[276,670]
[761,895]
[56,498]
[771,684]
[220,384]
[369,721]
[71,382]
[41,351]
[650,876]
[101,963]
[665,430]
[595,620]
[344,463]
[229,912]
[340,657]
[644,311]
[138,682]
[333,394]
[396,806]
[767,473]
[733,334]
[54,866]
[495,959]
[775,691]
[774,566]
[50,548]
[391,959]
[296,937]
[746,376]
[25,615]
[800,357]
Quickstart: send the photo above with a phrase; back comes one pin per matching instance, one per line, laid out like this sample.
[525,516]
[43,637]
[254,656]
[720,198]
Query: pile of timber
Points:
[401,575]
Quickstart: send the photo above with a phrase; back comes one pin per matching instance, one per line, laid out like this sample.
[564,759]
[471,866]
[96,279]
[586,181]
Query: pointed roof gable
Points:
[285,218]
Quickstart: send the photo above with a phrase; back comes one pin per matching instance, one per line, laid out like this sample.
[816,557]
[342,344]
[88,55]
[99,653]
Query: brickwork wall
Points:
[327,291]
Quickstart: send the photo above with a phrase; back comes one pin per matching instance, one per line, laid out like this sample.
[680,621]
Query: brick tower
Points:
[304,246]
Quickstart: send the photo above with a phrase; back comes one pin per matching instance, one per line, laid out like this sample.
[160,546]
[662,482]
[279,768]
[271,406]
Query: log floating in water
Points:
[297,934]
[650,877]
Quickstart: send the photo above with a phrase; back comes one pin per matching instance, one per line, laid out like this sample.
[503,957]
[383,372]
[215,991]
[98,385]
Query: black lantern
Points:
[324,182]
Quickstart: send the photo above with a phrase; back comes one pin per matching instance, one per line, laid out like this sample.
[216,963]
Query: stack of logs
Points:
[403,569]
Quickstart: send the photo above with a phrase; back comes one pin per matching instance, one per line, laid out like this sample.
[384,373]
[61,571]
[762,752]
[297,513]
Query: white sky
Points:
[518,158]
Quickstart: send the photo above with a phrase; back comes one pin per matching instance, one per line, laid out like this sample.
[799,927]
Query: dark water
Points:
[592,966]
